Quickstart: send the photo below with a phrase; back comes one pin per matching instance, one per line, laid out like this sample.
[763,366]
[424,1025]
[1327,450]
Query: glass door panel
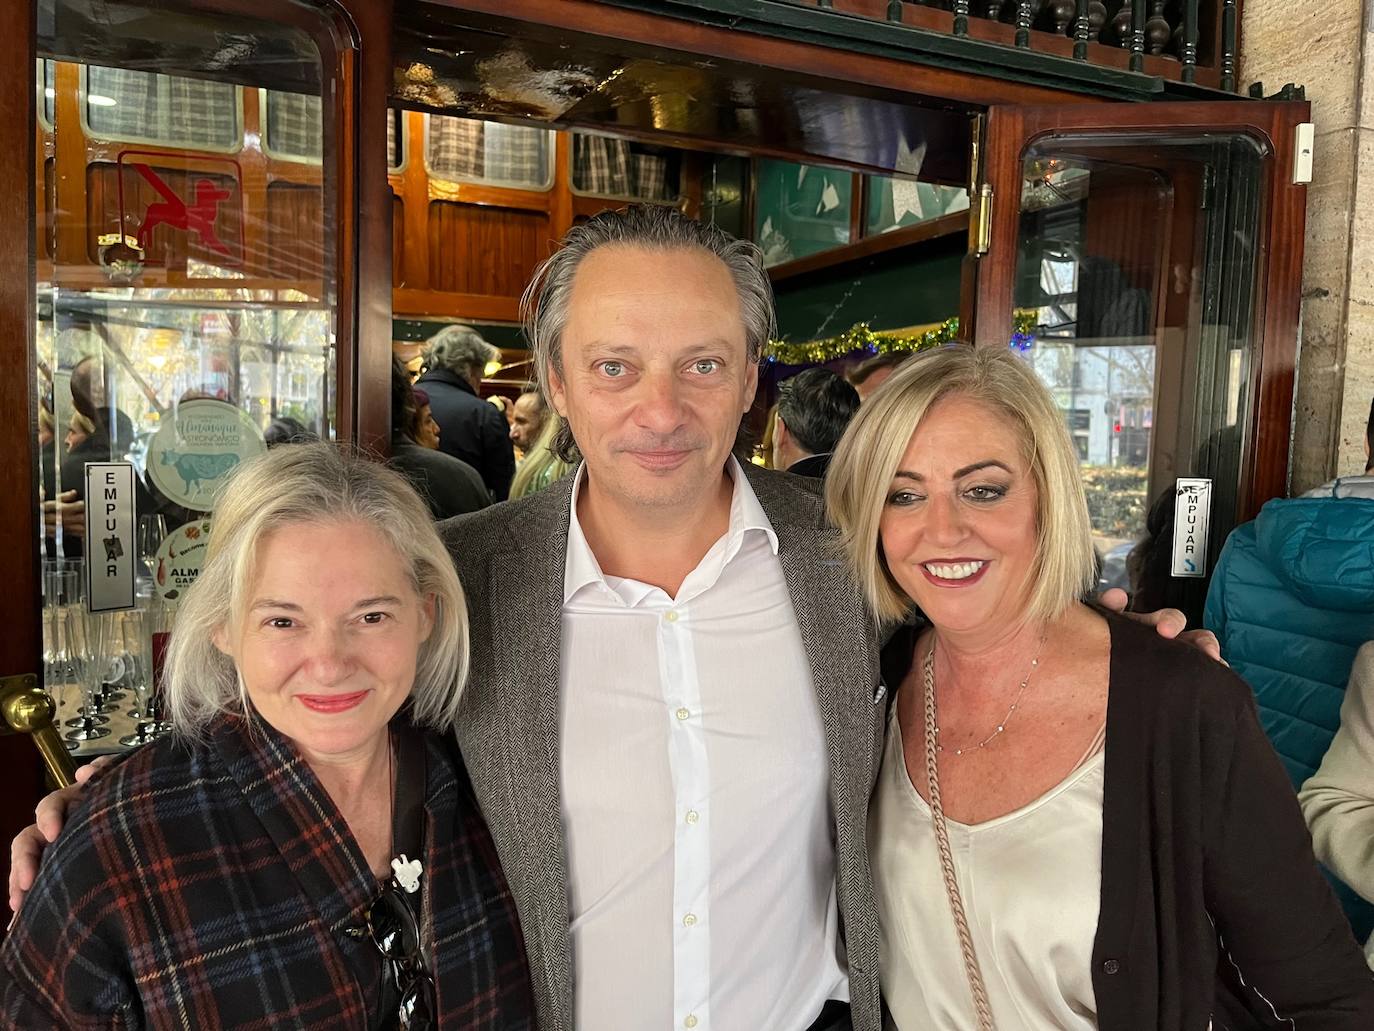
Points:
[187,313]
[1131,265]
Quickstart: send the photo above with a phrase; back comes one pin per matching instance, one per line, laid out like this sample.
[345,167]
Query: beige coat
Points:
[1338,800]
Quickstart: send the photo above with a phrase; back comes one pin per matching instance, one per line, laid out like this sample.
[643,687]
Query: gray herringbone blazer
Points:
[511,560]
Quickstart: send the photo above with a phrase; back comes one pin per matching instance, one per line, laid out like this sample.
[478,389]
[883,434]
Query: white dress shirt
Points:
[695,800]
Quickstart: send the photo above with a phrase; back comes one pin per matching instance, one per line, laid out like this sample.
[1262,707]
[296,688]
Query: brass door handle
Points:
[28,709]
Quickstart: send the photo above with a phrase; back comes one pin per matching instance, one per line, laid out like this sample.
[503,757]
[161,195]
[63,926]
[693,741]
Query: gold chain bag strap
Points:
[982,1008]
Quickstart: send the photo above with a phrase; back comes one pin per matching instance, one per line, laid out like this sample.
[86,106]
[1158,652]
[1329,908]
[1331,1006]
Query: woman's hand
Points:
[1169,623]
[26,851]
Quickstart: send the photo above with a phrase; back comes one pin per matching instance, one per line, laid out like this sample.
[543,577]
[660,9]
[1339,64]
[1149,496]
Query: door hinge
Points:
[1304,138]
[980,231]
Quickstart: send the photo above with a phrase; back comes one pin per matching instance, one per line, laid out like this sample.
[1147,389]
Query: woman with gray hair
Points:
[1077,824]
[304,850]
[455,360]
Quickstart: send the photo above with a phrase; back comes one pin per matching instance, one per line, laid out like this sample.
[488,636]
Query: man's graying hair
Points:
[544,308]
[459,349]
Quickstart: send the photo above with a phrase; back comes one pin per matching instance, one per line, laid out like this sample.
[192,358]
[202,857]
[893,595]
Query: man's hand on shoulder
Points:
[1169,623]
[26,851]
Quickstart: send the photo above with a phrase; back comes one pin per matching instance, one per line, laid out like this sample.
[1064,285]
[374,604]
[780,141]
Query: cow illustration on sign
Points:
[197,447]
[192,468]
[196,218]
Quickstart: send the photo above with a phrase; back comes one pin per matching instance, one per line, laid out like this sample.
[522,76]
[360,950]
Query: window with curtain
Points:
[466,150]
[122,103]
[800,210]
[295,127]
[605,166]
[898,203]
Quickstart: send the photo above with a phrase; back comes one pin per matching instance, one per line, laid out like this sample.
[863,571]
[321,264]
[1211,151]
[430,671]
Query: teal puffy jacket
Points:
[1292,600]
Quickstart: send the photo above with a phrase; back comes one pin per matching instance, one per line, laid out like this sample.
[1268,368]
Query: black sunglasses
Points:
[392,928]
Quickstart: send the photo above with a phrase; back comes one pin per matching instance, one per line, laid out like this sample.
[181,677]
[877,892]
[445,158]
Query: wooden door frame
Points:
[21,645]
[1278,291]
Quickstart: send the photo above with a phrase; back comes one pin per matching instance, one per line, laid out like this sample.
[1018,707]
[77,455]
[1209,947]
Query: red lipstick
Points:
[332,703]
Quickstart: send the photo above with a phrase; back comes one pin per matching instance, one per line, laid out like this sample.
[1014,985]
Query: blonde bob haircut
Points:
[859,481]
[297,484]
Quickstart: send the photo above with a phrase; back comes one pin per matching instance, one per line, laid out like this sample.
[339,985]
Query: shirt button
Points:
[1111,966]
[693,816]
[691,1021]
[670,617]
[690,920]
[684,714]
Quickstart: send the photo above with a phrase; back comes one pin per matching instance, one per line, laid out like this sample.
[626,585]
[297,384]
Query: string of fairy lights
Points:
[861,339]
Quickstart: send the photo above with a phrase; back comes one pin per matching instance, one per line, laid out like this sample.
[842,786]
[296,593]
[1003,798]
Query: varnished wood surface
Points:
[484,250]
[21,643]
[569,19]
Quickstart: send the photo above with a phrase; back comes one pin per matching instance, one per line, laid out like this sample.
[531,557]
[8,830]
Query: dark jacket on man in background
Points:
[448,485]
[471,429]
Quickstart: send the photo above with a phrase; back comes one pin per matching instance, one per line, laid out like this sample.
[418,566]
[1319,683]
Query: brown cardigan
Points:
[1212,907]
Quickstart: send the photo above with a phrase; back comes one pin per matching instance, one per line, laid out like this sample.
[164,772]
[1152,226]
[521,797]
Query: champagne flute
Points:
[87,630]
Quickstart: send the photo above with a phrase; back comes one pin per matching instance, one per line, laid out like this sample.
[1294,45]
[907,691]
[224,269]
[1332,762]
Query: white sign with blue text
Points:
[110,525]
[1192,516]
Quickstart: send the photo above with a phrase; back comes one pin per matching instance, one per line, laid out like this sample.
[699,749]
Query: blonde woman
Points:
[1077,824]
[541,466]
[305,850]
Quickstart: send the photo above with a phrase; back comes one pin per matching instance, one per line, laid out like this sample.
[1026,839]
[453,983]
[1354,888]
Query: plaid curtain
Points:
[168,108]
[610,167]
[461,148]
[295,124]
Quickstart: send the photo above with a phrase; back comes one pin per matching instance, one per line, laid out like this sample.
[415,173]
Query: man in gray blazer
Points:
[673,722]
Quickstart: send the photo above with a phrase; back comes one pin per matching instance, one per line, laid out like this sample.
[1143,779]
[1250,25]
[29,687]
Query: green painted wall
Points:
[909,287]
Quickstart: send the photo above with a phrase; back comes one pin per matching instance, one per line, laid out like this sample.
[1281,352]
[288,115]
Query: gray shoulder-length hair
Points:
[311,483]
[544,307]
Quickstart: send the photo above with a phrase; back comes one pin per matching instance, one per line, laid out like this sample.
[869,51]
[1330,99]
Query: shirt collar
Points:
[746,514]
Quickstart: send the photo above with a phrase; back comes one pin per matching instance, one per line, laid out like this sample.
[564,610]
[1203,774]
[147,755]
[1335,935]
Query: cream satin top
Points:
[1030,882]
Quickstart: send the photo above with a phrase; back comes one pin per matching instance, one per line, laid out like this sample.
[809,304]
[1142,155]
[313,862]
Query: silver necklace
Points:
[1002,723]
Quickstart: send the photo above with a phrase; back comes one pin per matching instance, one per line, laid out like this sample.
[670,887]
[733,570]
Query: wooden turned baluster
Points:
[1080,32]
[1228,46]
[1157,29]
[1137,35]
[894,10]
[1121,25]
[1060,14]
[993,10]
[1024,14]
[1097,17]
[961,17]
[1187,51]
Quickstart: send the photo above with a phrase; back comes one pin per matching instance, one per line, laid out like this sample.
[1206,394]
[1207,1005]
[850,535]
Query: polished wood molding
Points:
[21,645]
[841,66]
[870,246]
[483,307]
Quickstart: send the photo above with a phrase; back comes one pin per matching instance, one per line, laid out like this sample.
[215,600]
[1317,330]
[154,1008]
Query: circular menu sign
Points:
[179,559]
[197,447]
